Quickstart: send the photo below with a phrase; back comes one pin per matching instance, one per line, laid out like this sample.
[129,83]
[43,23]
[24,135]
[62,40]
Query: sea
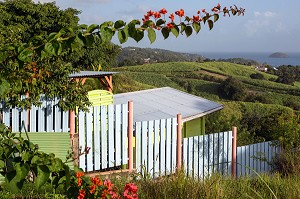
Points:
[262,57]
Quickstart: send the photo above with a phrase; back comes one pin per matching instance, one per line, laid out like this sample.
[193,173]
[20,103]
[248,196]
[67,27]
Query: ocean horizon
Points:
[262,57]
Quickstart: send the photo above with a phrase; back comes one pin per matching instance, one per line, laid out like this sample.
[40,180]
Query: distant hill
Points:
[279,55]
[131,56]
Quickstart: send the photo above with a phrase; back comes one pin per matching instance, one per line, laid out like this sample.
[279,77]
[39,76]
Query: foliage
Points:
[257,76]
[288,74]
[232,89]
[20,158]
[287,163]
[131,56]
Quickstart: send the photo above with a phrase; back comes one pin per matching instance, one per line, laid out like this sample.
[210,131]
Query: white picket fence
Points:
[156,146]
[104,130]
[255,157]
[45,118]
[208,154]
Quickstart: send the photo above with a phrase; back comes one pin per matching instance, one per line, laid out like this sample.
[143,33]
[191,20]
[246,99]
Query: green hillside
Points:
[264,111]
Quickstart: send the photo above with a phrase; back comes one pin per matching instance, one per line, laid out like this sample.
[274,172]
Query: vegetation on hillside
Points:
[260,108]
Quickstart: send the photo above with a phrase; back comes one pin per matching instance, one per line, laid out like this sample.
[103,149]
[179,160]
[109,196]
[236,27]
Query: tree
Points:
[233,89]
[28,67]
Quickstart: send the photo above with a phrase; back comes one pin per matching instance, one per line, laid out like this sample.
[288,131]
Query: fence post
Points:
[179,140]
[130,135]
[234,140]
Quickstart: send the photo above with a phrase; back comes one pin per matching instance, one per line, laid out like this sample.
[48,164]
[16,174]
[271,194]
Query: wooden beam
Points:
[107,82]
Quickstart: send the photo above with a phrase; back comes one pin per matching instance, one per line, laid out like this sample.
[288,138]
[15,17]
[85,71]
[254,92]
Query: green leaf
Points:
[233,11]
[2,164]
[151,35]
[216,17]
[188,31]
[148,23]
[83,27]
[42,176]
[119,24]
[4,87]
[160,22]
[210,24]
[25,55]
[106,34]
[22,171]
[52,36]
[12,183]
[196,26]
[139,35]
[89,40]
[122,36]
[183,26]
[165,32]
[175,31]
[92,28]
[26,156]
[49,48]
[106,24]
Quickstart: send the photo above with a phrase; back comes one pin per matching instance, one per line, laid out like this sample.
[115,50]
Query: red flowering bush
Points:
[94,187]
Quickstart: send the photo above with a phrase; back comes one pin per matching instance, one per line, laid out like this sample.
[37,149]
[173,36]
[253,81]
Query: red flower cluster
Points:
[180,13]
[130,191]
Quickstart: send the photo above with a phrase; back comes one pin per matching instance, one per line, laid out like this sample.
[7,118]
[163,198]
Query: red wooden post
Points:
[130,135]
[234,140]
[179,139]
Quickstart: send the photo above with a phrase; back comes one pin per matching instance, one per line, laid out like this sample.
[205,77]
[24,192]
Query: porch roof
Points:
[166,102]
[91,74]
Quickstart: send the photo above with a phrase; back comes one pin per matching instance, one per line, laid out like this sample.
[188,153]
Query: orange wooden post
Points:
[130,135]
[72,123]
[179,139]
[233,161]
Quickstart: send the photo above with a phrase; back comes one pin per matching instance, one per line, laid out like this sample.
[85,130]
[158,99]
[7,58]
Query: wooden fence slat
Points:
[104,138]
[49,115]
[151,143]
[162,134]
[144,145]
[201,158]
[157,140]
[15,120]
[138,146]
[168,145]
[190,160]
[174,142]
[185,154]
[89,139]
[96,138]
[195,156]
[81,129]
[124,139]
[111,137]
[118,136]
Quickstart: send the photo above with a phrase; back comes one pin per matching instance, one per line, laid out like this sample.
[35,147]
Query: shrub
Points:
[257,76]
[232,89]
[287,163]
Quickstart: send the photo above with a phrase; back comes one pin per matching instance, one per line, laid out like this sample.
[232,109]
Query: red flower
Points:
[108,184]
[157,15]
[150,13]
[215,9]
[180,13]
[79,182]
[92,189]
[196,18]
[163,11]
[203,10]
[79,174]
[170,26]
[81,194]
[96,181]
[198,12]
[218,6]
[171,17]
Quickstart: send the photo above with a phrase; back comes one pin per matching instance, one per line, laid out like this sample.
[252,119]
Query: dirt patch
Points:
[212,74]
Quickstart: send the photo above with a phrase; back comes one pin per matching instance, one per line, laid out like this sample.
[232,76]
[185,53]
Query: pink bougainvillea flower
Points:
[79,182]
[79,174]
[196,18]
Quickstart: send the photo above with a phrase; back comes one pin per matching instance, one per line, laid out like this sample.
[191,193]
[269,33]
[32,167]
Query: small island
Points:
[279,55]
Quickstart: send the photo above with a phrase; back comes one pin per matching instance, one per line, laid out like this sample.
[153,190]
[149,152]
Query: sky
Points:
[268,25]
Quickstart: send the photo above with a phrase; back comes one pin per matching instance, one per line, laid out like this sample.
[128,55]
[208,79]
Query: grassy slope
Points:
[203,78]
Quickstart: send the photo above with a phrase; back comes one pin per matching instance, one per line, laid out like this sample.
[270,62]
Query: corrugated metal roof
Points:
[83,74]
[166,102]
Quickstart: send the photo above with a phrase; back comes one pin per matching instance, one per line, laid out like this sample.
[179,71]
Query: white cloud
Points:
[256,13]
[269,14]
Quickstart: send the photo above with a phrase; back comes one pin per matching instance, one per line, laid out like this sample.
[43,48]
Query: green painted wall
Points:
[194,127]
